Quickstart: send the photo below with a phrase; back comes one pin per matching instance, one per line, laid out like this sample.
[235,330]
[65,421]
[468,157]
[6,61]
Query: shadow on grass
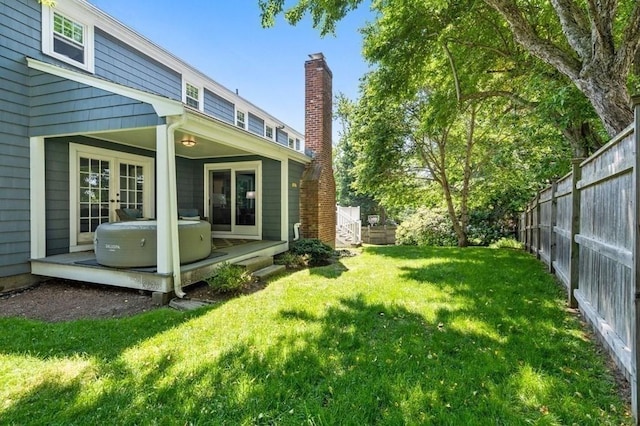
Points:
[355,362]
[100,338]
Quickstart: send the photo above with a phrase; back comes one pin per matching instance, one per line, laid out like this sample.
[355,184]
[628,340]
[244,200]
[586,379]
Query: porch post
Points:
[165,264]
[37,198]
[284,204]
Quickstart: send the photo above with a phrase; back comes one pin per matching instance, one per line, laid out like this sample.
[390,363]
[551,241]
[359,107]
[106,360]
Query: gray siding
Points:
[118,62]
[57,186]
[256,125]
[295,175]
[190,183]
[271,200]
[20,39]
[282,137]
[219,107]
[62,106]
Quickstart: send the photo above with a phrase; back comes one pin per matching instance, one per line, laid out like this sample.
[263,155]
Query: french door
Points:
[102,181]
[233,191]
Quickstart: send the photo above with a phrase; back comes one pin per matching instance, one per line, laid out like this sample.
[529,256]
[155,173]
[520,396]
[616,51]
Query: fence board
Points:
[584,228]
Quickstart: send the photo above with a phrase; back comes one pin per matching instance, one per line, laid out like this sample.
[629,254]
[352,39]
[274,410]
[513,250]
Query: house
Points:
[94,118]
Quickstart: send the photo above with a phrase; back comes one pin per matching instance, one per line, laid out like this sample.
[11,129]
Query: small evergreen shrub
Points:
[291,261]
[318,252]
[507,243]
[229,279]
[426,227]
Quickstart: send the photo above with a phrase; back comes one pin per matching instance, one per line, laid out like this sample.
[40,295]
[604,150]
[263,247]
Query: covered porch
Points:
[82,266]
[80,178]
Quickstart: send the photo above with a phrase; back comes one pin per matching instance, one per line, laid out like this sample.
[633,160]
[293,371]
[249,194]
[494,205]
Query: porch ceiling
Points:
[145,138]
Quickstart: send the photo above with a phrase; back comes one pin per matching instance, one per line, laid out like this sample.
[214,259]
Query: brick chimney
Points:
[317,186]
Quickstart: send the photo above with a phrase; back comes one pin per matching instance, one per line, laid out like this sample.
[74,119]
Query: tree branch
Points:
[574,26]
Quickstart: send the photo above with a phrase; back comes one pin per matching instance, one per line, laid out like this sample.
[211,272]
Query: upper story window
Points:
[291,143]
[241,119]
[192,95]
[297,144]
[268,132]
[67,38]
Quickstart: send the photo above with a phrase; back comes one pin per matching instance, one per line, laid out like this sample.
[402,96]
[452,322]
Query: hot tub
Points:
[133,244]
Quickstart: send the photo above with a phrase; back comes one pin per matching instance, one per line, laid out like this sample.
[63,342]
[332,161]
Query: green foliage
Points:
[318,252]
[426,227]
[486,227]
[229,278]
[291,260]
[510,243]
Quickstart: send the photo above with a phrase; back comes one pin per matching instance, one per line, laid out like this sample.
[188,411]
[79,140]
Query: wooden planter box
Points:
[380,235]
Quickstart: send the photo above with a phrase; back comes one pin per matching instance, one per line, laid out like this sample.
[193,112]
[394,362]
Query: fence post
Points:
[635,273]
[529,228]
[537,225]
[552,224]
[574,270]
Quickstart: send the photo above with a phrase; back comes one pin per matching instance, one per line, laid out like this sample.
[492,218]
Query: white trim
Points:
[114,157]
[163,106]
[245,116]
[231,135]
[236,230]
[37,198]
[88,36]
[200,98]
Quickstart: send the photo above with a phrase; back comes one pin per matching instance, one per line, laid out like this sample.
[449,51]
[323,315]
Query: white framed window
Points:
[192,95]
[268,132]
[67,38]
[241,119]
[297,144]
[291,142]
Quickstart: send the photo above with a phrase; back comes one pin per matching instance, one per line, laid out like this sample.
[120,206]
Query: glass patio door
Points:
[234,199]
[105,181]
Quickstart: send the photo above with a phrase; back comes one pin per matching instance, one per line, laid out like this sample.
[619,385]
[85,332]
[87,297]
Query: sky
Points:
[225,40]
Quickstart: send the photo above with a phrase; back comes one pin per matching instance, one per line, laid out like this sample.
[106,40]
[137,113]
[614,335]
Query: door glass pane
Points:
[93,193]
[246,198]
[131,186]
[221,200]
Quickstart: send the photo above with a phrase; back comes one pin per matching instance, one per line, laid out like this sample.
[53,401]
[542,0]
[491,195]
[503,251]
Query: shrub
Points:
[291,261]
[229,278]
[318,252]
[426,227]
[507,243]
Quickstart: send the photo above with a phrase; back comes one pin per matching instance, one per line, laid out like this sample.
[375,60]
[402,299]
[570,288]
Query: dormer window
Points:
[291,143]
[67,38]
[268,132]
[192,95]
[241,119]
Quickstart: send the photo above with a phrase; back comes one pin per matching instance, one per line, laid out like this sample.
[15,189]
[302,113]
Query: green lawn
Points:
[396,335]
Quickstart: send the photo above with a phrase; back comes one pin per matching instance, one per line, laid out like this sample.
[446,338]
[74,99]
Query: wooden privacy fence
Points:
[585,228]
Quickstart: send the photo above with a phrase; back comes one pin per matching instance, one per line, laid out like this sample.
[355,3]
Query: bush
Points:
[229,278]
[291,261]
[486,227]
[507,243]
[318,252]
[426,227]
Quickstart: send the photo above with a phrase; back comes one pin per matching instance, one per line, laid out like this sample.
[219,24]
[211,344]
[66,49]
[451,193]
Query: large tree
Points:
[593,43]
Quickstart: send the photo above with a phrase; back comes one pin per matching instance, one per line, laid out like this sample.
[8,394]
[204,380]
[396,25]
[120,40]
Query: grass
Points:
[397,335]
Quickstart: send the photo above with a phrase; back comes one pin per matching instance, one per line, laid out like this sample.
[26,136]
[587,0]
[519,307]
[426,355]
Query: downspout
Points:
[173,206]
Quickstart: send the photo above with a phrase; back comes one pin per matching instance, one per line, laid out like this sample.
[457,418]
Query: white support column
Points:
[37,198]
[284,185]
[165,264]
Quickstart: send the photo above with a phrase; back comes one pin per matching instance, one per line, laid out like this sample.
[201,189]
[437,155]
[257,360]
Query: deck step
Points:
[255,263]
[268,271]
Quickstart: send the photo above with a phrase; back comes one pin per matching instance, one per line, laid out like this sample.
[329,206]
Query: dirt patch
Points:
[65,300]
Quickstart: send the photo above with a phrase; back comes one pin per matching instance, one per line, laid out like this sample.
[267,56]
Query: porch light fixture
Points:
[188,141]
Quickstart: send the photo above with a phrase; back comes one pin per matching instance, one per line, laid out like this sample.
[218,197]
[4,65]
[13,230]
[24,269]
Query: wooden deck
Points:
[82,266]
